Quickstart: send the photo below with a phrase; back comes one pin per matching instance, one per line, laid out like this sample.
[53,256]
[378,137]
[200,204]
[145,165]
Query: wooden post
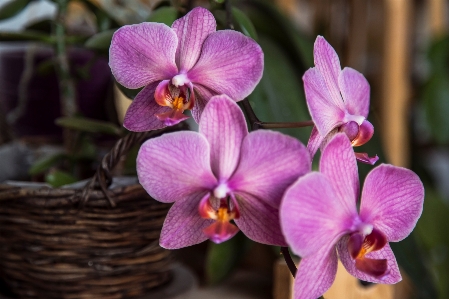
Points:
[437,17]
[395,83]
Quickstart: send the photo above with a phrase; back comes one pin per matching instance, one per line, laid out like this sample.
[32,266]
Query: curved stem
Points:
[288,259]
[280,125]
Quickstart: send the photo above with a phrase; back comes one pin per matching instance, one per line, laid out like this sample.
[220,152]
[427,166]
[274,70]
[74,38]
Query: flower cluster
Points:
[223,179]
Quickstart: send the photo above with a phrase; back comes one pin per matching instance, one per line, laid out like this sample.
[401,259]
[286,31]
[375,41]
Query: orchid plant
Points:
[223,178]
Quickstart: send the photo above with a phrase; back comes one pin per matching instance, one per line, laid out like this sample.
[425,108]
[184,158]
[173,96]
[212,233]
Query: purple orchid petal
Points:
[392,201]
[192,30]
[392,276]
[312,216]
[143,53]
[325,114]
[230,63]
[328,64]
[141,114]
[351,129]
[258,220]
[355,91]
[183,225]
[174,166]
[339,165]
[269,163]
[364,158]
[316,273]
[314,142]
[202,96]
[224,126]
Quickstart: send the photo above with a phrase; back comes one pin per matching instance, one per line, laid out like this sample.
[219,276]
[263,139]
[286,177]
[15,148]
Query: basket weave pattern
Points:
[90,243]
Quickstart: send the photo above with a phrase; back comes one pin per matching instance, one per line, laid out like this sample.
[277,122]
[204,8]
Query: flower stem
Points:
[280,125]
[288,259]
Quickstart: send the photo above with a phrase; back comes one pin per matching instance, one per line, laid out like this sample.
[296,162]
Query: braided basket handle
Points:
[103,177]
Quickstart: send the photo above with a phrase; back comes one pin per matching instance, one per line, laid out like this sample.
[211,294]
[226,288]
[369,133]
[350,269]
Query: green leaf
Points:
[245,24]
[45,163]
[436,106]
[166,15]
[12,8]
[88,125]
[279,95]
[223,258]
[100,41]
[129,93]
[60,178]
[432,230]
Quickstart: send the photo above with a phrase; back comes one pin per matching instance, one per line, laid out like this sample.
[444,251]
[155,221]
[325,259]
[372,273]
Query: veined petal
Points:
[192,30]
[328,64]
[230,63]
[355,90]
[392,201]
[143,53]
[316,273]
[183,225]
[339,165]
[174,166]
[202,96]
[311,215]
[258,220]
[224,126]
[141,114]
[269,163]
[314,143]
[392,276]
[324,112]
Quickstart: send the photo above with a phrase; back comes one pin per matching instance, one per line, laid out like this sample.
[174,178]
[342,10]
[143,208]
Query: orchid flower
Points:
[220,174]
[319,218]
[181,67]
[338,101]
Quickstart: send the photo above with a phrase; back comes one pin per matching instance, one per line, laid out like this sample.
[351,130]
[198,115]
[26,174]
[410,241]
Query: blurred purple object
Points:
[43,105]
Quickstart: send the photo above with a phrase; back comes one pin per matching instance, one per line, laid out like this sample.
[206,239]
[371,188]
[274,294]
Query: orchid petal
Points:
[259,221]
[143,53]
[224,126]
[355,90]
[325,114]
[351,129]
[269,163]
[174,166]
[316,273]
[141,114]
[192,30]
[183,225]
[328,64]
[392,201]
[364,158]
[314,142]
[392,276]
[202,97]
[230,63]
[312,216]
[339,165]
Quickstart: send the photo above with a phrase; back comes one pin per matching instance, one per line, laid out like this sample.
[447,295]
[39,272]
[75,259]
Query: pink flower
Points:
[319,218]
[220,174]
[338,100]
[181,67]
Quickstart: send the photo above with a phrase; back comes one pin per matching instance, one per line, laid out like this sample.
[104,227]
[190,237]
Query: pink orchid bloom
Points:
[181,67]
[319,218]
[220,174]
[338,101]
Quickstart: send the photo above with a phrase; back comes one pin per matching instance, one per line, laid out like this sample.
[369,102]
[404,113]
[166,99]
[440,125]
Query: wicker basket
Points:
[93,242]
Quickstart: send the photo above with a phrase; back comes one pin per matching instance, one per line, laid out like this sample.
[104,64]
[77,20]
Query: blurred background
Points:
[55,79]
